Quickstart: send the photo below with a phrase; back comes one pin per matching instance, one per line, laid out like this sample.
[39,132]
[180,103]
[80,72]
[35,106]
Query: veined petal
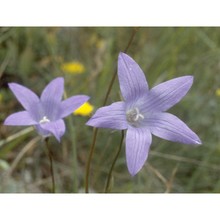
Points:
[167,94]
[169,127]
[53,91]
[57,128]
[52,109]
[44,133]
[131,78]
[22,118]
[112,116]
[138,141]
[24,95]
[69,105]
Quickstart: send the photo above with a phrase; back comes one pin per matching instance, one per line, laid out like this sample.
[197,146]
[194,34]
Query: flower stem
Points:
[51,164]
[107,188]
[74,149]
[75,160]
[95,131]
[115,74]
[75,164]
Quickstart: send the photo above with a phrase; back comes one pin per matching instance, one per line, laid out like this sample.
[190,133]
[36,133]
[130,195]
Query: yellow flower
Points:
[84,110]
[217,92]
[74,67]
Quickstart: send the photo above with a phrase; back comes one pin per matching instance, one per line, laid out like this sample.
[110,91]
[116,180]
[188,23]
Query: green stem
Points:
[107,188]
[95,131]
[74,147]
[115,74]
[75,160]
[51,164]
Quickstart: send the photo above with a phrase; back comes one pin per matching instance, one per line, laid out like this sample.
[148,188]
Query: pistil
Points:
[44,120]
[134,116]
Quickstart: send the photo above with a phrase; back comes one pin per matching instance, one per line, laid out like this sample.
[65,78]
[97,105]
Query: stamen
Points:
[133,116]
[44,120]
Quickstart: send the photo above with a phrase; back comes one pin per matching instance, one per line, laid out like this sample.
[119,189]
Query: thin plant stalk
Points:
[74,148]
[107,188]
[95,130]
[75,160]
[51,164]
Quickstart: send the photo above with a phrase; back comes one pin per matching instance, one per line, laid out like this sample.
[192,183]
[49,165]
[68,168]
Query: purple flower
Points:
[142,112]
[46,112]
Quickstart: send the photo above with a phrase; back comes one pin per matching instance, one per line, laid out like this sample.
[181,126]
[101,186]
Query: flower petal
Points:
[53,91]
[44,133]
[57,128]
[131,78]
[51,109]
[24,95]
[169,127]
[69,105]
[167,94]
[112,116]
[138,141]
[22,118]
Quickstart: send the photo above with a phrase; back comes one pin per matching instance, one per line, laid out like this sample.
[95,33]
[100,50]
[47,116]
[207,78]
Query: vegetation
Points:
[34,56]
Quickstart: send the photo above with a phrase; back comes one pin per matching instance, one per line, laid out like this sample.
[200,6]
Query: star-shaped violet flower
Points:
[46,112]
[142,112]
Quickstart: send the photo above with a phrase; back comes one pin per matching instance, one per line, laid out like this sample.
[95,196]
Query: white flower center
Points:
[133,116]
[44,120]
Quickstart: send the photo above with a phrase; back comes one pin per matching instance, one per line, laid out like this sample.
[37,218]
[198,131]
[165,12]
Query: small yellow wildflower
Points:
[74,67]
[217,92]
[84,110]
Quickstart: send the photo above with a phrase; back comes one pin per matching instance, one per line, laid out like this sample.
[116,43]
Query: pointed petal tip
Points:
[13,86]
[88,123]
[132,173]
[122,54]
[191,77]
[87,97]
[188,78]
[198,142]
[10,84]
[58,139]
[59,78]
[194,141]
[56,128]
[58,81]
[93,123]
[6,122]
[134,170]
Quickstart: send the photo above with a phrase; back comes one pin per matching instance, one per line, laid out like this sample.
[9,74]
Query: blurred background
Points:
[87,59]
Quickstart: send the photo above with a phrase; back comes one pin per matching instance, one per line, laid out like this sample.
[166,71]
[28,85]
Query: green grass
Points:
[32,57]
